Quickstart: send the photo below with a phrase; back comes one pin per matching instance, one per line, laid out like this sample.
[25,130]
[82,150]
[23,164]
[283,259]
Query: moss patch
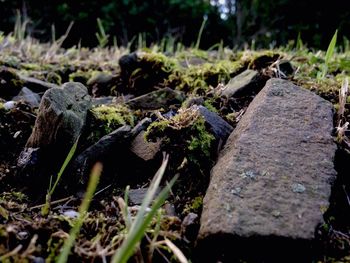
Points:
[197,79]
[194,206]
[184,136]
[105,119]
[150,70]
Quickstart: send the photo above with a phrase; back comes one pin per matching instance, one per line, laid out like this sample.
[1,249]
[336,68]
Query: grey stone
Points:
[36,85]
[143,149]
[128,63]
[162,98]
[108,100]
[60,120]
[273,178]
[242,84]
[33,99]
[101,84]
[141,126]
[8,105]
[107,147]
[61,117]
[189,226]
[136,196]
[220,128]
[190,101]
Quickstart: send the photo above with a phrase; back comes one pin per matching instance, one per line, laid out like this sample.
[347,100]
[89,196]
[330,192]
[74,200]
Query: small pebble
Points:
[9,105]
[16,134]
[298,188]
[22,235]
[71,214]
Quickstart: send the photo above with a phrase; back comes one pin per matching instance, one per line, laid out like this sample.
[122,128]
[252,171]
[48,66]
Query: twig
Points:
[11,253]
[31,247]
[157,249]
[103,189]
[52,203]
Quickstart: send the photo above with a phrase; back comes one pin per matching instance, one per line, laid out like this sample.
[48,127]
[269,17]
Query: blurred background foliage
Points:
[263,23]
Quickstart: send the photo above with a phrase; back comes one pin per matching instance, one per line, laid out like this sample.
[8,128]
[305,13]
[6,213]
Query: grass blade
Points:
[331,47]
[142,220]
[137,231]
[93,181]
[177,252]
[200,33]
[65,163]
[46,208]
[329,54]
[300,44]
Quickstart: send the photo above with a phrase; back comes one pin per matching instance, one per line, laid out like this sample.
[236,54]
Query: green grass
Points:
[101,35]
[329,55]
[199,37]
[46,208]
[93,182]
[138,226]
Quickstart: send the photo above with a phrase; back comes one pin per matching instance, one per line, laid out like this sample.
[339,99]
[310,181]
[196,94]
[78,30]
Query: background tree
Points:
[236,22]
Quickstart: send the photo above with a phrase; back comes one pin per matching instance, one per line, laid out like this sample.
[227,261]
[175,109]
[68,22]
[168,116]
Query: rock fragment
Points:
[154,100]
[60,120]
[242,84]
[273,178]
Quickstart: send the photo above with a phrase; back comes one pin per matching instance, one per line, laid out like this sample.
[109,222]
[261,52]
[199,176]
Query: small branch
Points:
[52,203]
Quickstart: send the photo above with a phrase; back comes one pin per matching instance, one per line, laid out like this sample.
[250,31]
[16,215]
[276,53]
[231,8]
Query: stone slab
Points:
[273,178]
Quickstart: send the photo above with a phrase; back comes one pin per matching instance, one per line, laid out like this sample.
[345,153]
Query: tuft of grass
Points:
[46,208]
[300,44]
[138,226]
[101,35]
[329,54]
[93,182]
[200,32]
[19,31]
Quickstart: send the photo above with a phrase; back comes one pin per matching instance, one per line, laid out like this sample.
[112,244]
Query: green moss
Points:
[195,206]
[184,135]
[209,104]
[199,145]
[16,196]
[231,118]
[31,67]
[110,118]
[328,88]
[55,78]
[158,61]
[259,59]
[10,61]
[99,77]
[80,76]
[156,129]
[198,79]
[152,70]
